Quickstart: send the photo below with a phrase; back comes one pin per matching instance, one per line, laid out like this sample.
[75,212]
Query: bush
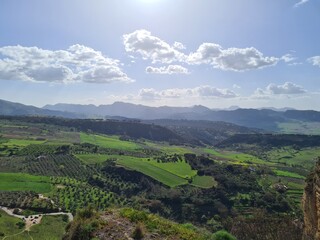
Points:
[20,224]
[138,232]
[222,235]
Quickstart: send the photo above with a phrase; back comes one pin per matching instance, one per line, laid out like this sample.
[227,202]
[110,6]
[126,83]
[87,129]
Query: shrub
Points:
[222,235]
[138,232]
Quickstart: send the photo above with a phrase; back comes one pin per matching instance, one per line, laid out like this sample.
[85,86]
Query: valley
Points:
[75,167]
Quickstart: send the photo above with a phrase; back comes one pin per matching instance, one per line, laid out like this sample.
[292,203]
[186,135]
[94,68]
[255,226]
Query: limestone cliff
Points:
[311,205]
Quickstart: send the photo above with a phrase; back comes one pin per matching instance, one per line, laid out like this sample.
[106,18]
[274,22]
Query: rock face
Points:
[311,205]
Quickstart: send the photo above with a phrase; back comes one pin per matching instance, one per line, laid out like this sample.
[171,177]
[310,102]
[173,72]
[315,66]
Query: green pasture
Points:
[21,142]
[24,182]
[92,158]
[305,158]
[288,174]
[180,168]
[204,182]
[169,149]
[51,228]
[151,170]
[8,224]
[108,142]
[238,158]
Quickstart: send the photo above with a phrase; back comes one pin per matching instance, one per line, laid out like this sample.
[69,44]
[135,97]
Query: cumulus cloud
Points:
[171,69]
[301,2]
[201,91]
[288,58]
[315,61]
[151,47]
[76,64]
[179,46]
[287,88]
[206,53]
[234,59]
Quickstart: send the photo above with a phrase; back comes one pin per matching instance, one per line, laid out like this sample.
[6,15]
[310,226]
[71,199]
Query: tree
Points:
[222,235]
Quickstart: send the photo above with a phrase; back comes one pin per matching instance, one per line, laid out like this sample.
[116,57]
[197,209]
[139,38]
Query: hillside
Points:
[18,109]
[250,185]
[288,121]
[205,132]
[128,223]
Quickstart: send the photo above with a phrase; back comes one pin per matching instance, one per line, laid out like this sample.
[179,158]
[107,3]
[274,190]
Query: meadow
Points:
[151,170]
[235,157]
[108,142]
[92,158]
[8,224]
[24,182]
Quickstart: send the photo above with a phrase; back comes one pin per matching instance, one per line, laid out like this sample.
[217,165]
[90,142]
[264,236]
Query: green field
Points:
[8,224]
[288,174]
[51,228]
[151,170]
[306,157]
[92,158]
[204,182]
[22,142]
[24,182]
[181,168]
[108,142]
[168,149]
[237,158]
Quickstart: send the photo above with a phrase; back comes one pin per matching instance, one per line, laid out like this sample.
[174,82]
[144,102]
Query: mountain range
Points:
[267,119]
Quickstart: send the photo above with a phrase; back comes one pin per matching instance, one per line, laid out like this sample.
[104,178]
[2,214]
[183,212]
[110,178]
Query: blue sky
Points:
[161,52]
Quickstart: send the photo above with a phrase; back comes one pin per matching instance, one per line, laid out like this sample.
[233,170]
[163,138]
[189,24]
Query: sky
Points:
[216,53]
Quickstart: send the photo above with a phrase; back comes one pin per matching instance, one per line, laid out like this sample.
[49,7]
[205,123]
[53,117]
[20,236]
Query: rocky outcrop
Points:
[311,205]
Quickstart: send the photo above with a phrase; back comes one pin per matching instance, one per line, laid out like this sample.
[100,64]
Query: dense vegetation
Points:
[230,186]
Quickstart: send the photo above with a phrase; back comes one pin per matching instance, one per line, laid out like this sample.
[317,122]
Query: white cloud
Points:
[197,92]
[76,64]
[272,89]
[179,46]
[315,61]
[206,53]
[301,2]
[236,86]
[288,58]
[171,69]
[234,59]
[151,47]
[242,59]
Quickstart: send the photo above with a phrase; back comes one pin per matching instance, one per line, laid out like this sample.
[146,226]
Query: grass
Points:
[288,174]
[50,228]
[24,182]
[305,158]
[8,224]
[108,142]
[22,142]
[204,182]
[237,158]
[181,168]
[151,170]
[92,158]
[169,149]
